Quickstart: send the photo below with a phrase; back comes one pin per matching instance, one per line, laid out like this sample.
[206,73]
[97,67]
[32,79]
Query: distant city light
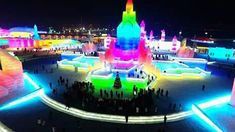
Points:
[202,41]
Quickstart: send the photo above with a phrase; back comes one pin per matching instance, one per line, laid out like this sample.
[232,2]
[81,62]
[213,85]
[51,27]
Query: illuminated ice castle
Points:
[125,56]
[130,44]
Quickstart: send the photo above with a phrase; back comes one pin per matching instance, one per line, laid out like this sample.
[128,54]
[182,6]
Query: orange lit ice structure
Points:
[11,73]
[89,47]
[185,52]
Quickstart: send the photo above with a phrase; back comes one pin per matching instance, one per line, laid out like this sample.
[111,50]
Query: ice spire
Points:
[129,6]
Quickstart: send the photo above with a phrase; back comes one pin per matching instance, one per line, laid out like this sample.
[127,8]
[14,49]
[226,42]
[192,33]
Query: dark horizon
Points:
[192,17]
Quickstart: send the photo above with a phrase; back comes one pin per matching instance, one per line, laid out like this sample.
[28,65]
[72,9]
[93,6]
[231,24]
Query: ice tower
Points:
[36,35]
[163,35]
[128,35]
[151,37]
[125,56]
[130,45]
[143,32]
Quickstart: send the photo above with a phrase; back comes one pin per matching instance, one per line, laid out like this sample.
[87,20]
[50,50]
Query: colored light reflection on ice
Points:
[204,117]
[232,100]
[214,102]
[22,100]
[27,97]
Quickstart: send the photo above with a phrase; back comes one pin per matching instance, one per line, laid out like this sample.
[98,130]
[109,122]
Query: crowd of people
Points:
[82,95]
[35,52]
[160,57]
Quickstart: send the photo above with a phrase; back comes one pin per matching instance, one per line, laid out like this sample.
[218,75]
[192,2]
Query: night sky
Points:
[191,16]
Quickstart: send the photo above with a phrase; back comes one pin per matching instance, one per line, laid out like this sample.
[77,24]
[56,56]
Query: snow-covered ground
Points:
[182,90]
[223,116]
[185,91]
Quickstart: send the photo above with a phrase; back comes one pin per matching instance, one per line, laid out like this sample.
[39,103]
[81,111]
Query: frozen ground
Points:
[24,119]
[223,116]
[17,93]
[185,91]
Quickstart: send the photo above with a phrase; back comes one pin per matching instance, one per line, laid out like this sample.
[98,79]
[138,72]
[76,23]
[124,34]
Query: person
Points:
[39,122]
[43,123]
[180,107]
[118,95]
[53,129]
[135,93]
[54,91]
[67,81]
[50,84]
[203,87]
[126,116]
[161,92]
[68,105]
[165,119]
[133,89]
[155,110]
[61,78]
[146,110]
[101,93]
[166,93]
[158,91]
[58,82]
[66,86]
[111,94]
[137,109]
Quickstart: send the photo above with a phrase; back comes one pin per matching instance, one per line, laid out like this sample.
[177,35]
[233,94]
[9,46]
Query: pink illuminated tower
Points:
[151,37]
[163,35]
[174,43]
[143,32]
[232,101]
